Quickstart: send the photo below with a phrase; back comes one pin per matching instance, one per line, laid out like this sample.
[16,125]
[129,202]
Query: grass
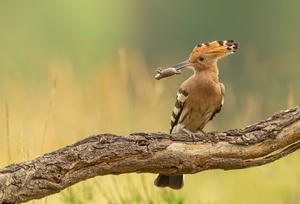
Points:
[54,106]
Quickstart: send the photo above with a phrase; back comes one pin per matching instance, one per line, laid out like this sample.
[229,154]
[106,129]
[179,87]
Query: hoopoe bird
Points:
[200,98]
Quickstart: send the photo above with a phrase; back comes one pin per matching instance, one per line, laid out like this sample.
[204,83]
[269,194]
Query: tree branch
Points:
[258,144]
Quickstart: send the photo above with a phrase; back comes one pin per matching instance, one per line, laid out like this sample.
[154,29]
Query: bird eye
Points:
[201,59]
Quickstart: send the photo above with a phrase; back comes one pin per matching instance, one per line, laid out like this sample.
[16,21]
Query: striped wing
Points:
[178,107]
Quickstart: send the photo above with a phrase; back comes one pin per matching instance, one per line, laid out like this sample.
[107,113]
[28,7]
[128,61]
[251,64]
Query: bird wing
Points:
[178,107]
[217,111]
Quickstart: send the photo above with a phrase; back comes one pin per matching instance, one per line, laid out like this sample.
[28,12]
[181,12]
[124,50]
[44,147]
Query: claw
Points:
[215,132]
[203,132]
[191,134]
[215,136]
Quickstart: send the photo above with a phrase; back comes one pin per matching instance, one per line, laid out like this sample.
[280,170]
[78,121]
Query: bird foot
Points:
[191,134]
[215,137]
[203,132]
[212,136]
[215,132]
[209,137]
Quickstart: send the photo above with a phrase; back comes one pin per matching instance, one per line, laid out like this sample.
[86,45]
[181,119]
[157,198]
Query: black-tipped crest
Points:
[217,49]
[221,42]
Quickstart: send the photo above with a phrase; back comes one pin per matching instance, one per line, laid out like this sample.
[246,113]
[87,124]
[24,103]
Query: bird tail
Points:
[174,182]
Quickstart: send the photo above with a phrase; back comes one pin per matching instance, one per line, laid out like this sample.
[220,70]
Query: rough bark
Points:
[254,145]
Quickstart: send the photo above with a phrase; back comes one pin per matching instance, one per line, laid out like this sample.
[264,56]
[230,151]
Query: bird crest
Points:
[216,49]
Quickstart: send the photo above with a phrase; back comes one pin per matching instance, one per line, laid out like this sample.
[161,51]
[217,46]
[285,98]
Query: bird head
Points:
[206,55]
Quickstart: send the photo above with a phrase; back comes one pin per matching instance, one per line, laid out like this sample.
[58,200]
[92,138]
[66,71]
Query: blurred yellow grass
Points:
[123,97]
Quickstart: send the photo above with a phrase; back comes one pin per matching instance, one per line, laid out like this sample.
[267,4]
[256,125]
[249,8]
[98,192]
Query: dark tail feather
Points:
[174,182]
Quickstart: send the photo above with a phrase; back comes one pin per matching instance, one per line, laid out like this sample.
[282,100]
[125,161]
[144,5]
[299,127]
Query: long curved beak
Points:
[183,64]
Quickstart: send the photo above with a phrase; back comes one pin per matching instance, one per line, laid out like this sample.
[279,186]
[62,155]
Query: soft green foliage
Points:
[70,69]
[135,192]
[72,194]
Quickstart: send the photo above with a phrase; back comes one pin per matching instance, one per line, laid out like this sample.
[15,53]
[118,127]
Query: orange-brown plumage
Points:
[200,98]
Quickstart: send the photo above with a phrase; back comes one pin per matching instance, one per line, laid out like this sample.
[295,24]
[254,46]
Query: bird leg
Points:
[203,132]
[191,134]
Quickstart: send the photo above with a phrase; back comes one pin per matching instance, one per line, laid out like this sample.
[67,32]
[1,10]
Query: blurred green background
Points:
[70,69]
